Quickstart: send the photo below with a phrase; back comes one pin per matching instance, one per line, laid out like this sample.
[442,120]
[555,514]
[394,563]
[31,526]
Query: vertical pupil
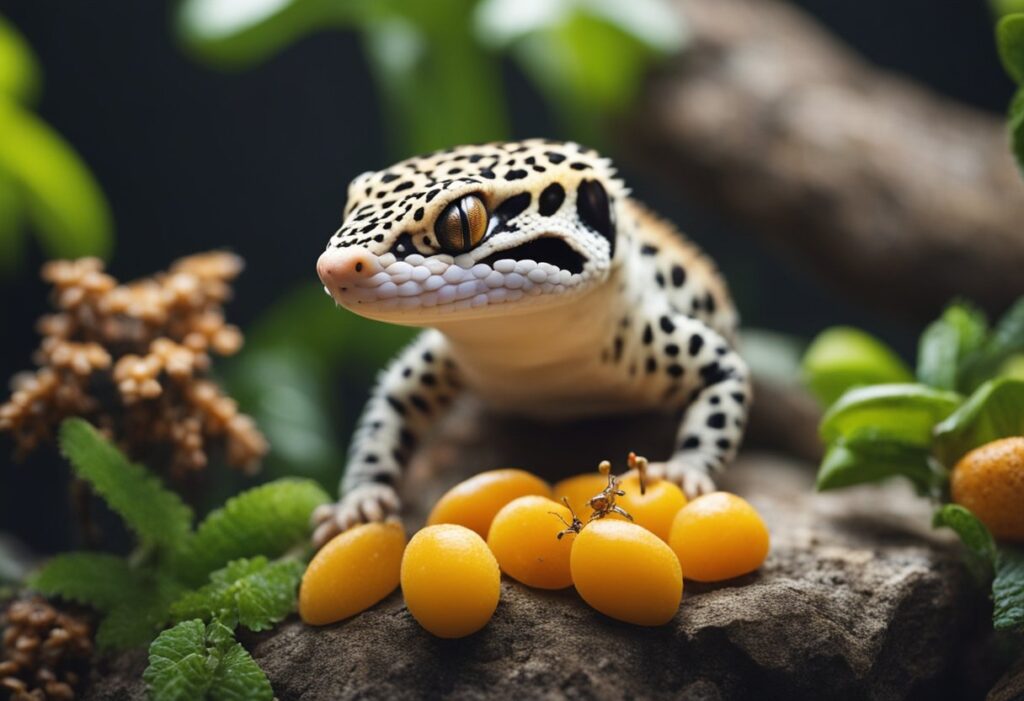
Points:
[464,225]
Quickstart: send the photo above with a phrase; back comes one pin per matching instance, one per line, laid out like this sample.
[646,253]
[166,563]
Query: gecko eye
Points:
[462,224]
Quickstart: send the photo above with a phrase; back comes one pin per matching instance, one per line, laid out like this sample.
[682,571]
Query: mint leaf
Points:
[974,534]
[139,616]
[99,580]
[842,357]
[255,593]
[898,413]
[960,331]
[995,410]
[847,464]
[156,514]
[237,677]
[1010,40]
[1008,589]
[192,662]
[266,520]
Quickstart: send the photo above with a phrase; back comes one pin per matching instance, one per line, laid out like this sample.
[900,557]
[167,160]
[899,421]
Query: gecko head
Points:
[475,231]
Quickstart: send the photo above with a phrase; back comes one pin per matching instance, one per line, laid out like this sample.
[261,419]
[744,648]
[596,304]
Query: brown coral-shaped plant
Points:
[132,358]
[45,651]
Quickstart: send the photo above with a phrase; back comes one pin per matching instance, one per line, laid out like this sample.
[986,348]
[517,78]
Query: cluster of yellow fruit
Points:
[628,561]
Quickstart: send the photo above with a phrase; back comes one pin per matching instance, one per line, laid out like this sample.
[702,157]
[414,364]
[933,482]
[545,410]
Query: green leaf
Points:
[192,662]
[995,410]
[255,593]
[841,358]
[972,531]
[156,514]
[1010,40]
[63,202]
[1008,589]
[1016,125]
[1006,340]
[99,580]
[19,72]
[960,331]
[900,413]
[871,461]
[139,615]
[237,35]
[266,520]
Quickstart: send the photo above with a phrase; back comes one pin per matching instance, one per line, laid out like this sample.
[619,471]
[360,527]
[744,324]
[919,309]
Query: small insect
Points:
[604,502]
[575,527]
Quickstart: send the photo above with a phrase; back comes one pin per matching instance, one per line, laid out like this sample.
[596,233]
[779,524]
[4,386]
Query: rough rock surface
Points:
[859,599]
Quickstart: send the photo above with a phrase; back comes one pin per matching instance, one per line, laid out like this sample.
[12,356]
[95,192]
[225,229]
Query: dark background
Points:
[258,161]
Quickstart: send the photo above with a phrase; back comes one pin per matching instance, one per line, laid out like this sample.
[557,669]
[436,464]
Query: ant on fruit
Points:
[603,503]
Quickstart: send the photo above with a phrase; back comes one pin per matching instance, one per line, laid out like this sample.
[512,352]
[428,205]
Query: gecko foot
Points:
[694,481]
[363,504]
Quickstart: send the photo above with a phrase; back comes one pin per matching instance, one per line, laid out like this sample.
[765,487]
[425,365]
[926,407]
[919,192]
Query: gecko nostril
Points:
[359,267]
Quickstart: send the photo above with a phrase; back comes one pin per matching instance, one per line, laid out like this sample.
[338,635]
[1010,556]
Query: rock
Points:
[859,599]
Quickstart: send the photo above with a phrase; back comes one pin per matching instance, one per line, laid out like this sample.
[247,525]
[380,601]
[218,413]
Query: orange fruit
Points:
[474,502]
[989,481]
[524,539]
[718,536]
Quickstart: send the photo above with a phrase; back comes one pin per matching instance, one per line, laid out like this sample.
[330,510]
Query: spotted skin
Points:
[577,301]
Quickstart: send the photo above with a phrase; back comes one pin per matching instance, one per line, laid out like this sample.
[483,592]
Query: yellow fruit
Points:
[989,481]
[579,490]
[656,509]
[626,572]
[474,503]
[450,580]
[351,573]
[524,539]
[718,536]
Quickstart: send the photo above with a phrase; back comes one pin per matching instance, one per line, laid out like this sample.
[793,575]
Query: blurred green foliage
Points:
[437,64]
[1010,41]
[43,182]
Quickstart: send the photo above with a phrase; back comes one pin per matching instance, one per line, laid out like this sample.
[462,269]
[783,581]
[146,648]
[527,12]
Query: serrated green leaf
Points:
[139,616]
[972,532]
[178,664]
[1008,589]
[99,580]
[156,514]
[193,661]
[64,203]
[995,410]
[845,465]
[960,331]
[237,677]
[266,520]
[1010,40]
[898,413]
[19,71]
[254,593]
[841,358]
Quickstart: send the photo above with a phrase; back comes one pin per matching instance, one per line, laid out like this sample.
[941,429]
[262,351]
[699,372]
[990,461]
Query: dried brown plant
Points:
[133,359]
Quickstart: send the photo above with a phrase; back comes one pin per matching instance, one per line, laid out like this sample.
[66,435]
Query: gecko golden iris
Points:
[546,290]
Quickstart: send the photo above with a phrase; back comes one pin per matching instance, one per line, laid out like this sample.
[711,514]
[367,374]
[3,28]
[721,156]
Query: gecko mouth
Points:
[548,249]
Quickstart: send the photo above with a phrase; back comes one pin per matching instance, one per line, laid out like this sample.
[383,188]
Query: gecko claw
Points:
[694,481]
[367,503]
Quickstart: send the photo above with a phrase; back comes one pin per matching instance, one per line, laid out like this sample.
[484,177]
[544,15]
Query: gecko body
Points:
[545,290]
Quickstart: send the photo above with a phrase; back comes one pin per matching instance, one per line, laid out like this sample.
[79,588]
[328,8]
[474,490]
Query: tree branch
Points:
[896,196]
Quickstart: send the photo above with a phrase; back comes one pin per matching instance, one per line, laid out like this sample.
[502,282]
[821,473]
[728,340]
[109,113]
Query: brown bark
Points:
[897,196]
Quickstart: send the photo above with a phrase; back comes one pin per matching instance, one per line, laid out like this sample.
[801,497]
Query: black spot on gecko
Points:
[428,357]
[517,174]
[551,199]
[396,405]
[648,335]
[690,442]
[429,379]
[713,373]
[666,324]
[554,158]
[371,459]
[651,365]
[594,210]
[513,206]
[617,353]
[724,443]
[418,215]
[716,420]
[739,397]
[420,403]
[648,250]
[675,370]
[696,343]
[672,349]
[678,276]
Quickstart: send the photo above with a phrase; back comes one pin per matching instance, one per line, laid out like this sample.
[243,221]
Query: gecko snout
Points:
[343,268]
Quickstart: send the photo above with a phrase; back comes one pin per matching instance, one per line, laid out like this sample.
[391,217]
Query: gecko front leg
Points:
[410,396]
[712,427]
